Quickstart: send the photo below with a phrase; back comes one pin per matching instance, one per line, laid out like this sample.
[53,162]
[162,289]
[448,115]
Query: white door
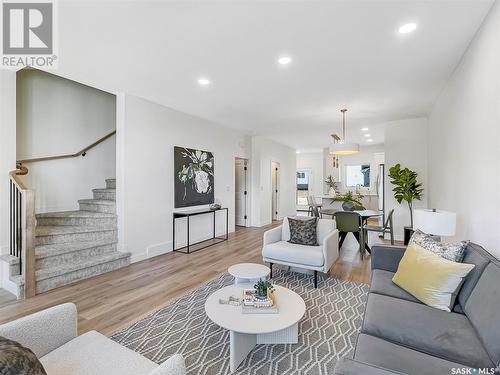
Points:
[241,192]
[274,188]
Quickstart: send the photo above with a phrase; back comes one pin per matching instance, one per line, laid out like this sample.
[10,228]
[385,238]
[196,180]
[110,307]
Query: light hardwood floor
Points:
[116,299]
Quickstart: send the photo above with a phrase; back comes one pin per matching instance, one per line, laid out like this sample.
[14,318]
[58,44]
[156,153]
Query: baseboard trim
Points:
[159,249]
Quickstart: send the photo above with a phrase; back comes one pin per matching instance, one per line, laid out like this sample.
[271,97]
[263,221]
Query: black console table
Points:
[187,215]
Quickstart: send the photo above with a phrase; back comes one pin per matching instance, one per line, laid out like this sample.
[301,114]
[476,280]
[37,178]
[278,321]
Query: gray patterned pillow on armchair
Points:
[303,231]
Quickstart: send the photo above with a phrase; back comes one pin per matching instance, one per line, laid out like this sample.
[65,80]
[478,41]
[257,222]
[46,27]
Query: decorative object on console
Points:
[343,147]
[453,252]
[215,206]
[430,278]
[193,176]
[303,231]
[406,186]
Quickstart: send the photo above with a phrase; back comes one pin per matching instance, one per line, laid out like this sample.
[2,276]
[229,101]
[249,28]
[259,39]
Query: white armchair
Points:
[277,249]
[52,335]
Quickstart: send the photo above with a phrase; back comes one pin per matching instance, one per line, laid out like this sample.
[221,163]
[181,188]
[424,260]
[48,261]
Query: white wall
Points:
[314,163]
[264,151]
[147,133]
[58,116]
[7,152]
[405,142]
[464,140]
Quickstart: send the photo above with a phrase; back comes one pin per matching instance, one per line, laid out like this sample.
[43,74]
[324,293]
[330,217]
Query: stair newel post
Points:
[28,249]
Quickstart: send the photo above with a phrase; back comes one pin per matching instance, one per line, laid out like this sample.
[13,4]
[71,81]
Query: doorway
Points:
[303,189]
[241,192]
[275,178]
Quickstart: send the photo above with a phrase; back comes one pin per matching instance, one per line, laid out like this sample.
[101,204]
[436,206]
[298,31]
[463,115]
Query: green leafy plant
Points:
[262,287]
[330,181]
[349,197]
[406,187]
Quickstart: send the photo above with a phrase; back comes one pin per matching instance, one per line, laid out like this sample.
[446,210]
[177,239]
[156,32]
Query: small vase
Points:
[332,192]
[260,296]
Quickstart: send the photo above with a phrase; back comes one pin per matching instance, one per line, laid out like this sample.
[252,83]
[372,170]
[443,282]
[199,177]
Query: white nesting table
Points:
[248,330]
[248,272]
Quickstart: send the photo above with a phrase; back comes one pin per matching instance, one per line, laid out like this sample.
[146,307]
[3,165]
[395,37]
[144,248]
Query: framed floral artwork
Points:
[193,177]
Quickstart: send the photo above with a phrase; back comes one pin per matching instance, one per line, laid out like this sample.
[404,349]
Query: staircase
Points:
[74,245]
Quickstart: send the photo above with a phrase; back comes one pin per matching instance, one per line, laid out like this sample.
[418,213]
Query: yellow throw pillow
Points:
[431,279]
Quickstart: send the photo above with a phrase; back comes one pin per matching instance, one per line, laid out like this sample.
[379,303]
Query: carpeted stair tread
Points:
[51,230]
[104,202]
[43,251]
[9,259]
[76,214]
[61,270]
[58,271]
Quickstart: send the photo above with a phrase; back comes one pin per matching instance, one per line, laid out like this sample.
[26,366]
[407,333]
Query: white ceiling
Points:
[345,53]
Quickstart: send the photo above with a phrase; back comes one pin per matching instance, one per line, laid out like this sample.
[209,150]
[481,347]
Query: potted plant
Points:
[332,185]
[350,202]
[262,288]
[406,186]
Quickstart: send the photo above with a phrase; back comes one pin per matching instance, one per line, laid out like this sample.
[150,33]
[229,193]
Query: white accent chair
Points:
[52,335]
[277,249]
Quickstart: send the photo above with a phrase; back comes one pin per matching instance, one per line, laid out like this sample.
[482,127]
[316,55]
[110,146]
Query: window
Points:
[357,175]
[302,187]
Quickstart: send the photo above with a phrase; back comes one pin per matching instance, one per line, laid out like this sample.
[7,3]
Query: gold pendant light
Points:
[344,147]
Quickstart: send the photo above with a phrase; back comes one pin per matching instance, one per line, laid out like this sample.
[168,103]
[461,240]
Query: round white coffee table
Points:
[248,272]
[248,330]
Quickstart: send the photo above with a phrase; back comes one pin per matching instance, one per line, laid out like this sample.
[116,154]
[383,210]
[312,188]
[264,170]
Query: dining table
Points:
[365,215]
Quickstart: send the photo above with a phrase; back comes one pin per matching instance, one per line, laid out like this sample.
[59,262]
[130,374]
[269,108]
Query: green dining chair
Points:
[388,227]
[349,222]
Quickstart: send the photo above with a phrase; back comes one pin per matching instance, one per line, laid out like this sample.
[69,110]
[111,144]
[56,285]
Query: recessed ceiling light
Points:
[367,135]
[408,28]
[369,140]
[203,81]
[285,60]
[364,129]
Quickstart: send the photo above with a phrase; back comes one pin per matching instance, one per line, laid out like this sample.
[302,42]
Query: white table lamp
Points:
[436,222]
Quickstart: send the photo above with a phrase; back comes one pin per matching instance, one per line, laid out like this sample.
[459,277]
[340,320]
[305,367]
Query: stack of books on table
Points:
[254,305]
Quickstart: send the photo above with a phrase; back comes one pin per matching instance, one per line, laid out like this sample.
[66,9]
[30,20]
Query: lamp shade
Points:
[439,223]
[344,149]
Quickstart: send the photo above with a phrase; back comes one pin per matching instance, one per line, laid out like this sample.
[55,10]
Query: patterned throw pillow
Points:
[15,359]
[453,252]
[303,232]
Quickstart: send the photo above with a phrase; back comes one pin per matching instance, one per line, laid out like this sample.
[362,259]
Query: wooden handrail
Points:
[82,152]
[19,171]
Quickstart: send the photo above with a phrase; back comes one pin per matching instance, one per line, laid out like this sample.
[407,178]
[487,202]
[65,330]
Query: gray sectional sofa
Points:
[402,335]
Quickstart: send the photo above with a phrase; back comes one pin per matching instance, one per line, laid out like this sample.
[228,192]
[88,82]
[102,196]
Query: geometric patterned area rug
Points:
[327,332]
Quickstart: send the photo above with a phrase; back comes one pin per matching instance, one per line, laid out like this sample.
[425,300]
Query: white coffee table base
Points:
[241,344]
